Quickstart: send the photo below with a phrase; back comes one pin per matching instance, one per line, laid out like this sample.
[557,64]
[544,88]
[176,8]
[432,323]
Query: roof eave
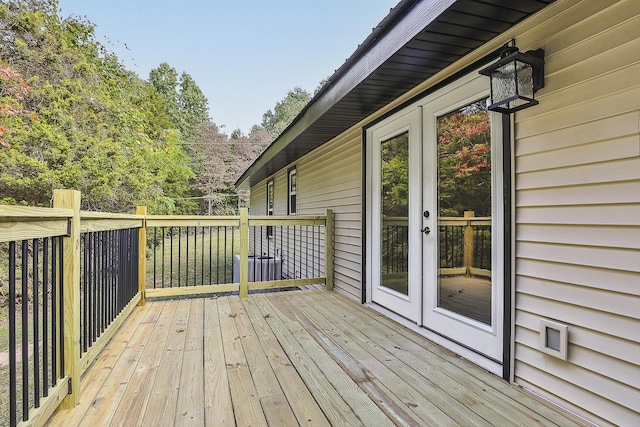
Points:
[403,23]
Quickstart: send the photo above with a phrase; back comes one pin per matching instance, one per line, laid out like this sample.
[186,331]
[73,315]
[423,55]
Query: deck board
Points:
[217,397]
[298,358]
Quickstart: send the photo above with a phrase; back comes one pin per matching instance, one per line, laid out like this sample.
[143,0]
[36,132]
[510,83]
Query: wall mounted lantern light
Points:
[515,78]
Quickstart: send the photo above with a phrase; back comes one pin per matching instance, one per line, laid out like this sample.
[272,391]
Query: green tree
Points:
[192,107]
[285,111]
[92,125]
[186,105]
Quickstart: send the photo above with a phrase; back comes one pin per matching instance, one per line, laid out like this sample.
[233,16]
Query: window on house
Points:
[293,190]
[270,205]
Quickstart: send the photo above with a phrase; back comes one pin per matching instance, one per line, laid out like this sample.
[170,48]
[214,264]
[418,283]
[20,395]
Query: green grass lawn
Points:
[193,260]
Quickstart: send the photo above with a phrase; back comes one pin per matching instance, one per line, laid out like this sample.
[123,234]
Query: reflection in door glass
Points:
[464,212]
[395,211]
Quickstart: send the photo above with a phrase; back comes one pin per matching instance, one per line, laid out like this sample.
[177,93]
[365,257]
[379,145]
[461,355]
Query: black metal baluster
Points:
[100,286]
[134,262]
[116,276]
[163,236]
[288,253]
[25,330]
[120,275]
[126,272]
[210,252]
[36,329]
[162,231]
[54,311]
[13,406]
[202,259]
[179,254]
[61,307]
[84,268]
[45,317]
[187,266]
[195,256]
[155,254]
[133,249]
[218,265]
[229,277]
[108,277]
[98,266]
[123,271]
[87,271]
[171,258]
[297,258]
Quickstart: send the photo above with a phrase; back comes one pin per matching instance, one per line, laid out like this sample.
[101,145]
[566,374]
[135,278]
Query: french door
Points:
[435,216]
[394,253]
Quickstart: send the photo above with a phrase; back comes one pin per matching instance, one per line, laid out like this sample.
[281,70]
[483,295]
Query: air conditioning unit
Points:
[262,268]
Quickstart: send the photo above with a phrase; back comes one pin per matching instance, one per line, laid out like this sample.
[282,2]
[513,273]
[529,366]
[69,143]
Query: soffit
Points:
[388,64]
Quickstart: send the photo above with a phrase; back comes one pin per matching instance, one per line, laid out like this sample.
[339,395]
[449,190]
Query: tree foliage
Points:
[186,105]
[276,121]
[13,90]
[464,161]
[219,160]
[395,176]
[464,166]
[76,118]
[71,116]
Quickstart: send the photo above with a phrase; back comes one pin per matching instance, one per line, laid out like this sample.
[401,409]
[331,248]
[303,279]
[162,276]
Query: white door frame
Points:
[408,306]
[422,193]
[483,338]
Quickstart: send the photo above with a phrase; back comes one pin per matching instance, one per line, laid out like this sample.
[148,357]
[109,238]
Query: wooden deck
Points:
[288,359]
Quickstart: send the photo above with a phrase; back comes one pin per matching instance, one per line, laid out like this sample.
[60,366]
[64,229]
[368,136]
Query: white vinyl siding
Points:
[330,177]
[577,164]
[577,205]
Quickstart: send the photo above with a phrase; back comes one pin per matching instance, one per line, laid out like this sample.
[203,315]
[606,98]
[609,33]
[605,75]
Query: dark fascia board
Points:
[397,29]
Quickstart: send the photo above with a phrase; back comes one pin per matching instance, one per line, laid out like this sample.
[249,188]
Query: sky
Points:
[244,55]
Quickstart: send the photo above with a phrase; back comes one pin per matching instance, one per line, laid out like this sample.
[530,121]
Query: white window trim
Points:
[290,173]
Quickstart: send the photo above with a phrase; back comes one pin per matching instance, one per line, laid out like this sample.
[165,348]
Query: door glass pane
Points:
[464,212]
[395,213]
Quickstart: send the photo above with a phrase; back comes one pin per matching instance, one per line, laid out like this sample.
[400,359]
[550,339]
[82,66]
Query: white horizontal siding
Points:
[331,177]
[577,164]
[328,178]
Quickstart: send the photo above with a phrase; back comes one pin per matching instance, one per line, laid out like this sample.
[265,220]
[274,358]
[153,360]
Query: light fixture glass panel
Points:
[525,79]
[503,85]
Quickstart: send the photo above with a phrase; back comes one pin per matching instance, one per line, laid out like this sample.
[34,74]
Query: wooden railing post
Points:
[468,243]
[142,255]
[244,252]
[328,250]
[70,199]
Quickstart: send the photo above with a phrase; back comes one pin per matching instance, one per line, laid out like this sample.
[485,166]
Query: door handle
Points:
[426,230]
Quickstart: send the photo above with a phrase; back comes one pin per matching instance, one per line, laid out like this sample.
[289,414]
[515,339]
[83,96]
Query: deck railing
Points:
[72,278]
[32,370]
[208,254]
[464,245]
